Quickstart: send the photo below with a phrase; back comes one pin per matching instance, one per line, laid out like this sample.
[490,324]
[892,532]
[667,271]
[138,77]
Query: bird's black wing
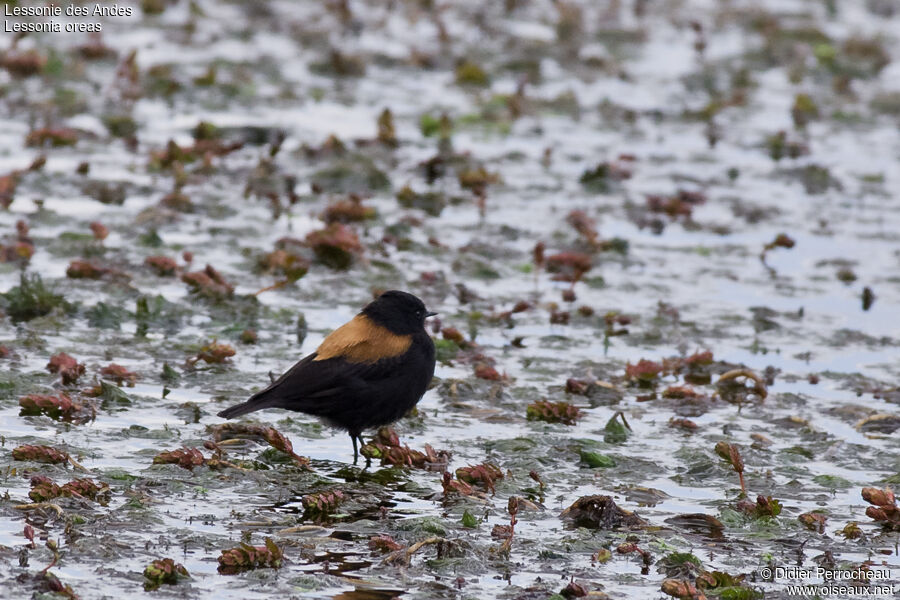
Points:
[311,386]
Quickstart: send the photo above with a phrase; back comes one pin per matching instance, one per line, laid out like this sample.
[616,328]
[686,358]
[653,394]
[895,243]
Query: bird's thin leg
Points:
[355,452]
[362,443]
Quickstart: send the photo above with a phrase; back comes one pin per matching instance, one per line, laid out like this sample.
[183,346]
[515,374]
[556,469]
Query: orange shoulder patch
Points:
[361,340]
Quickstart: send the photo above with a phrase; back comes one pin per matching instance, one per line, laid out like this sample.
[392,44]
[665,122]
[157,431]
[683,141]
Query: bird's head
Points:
[399,312]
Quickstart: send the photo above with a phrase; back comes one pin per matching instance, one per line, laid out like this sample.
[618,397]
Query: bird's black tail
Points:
[273,396]
[253,404]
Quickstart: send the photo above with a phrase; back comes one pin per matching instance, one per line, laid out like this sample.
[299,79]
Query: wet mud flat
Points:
[662,238]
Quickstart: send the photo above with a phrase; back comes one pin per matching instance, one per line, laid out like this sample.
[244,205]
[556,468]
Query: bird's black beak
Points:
[430,314]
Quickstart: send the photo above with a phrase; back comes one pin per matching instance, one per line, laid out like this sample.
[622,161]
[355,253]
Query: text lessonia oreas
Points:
[71,10]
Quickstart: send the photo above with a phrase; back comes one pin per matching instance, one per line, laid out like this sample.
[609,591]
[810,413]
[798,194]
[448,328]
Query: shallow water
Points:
[628,84]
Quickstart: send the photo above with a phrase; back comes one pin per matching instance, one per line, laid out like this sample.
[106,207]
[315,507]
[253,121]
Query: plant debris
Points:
[385,446]
[277,440]
[600,512]
[43,489]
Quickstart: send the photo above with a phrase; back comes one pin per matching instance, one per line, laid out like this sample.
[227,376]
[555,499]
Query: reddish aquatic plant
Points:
[782,240]
[246,557]
[208,283]
[601,177]
[99,230]
[560,317]
[67,367]
[537,255]
[83,269]
[553,412]
[186,458]
[884,507]
[613,318]
[455,335]
[173,154]
[732,455]
[41,454]
[578,387]
[585,226]
[633,548]
[28,532]
[178,201]
[270,435]
[699,359]
[50,583]
[163,571]
[644,371]
[507,532]
[289,264]
[681,589]
[19,251]
[319,506]
[568,266]
[60,136]
[119,374]
[23,64]
[386,447]
[600,512]
[679,392]
[765,506]
[335,246]
[8,184]
[95,49]
[813,521]
[484,474]
[683,423]
[680,204]
[162,265]
[487,371]
[477,179]
[59,407]
[43,489]
[451,485]
[213,353]
[384,543]
[386,133]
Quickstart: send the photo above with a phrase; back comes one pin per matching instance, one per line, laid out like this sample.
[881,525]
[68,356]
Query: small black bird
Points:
[367,373]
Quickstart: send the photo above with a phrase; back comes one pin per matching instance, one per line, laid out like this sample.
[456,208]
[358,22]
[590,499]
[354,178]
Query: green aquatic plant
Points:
[32,298]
